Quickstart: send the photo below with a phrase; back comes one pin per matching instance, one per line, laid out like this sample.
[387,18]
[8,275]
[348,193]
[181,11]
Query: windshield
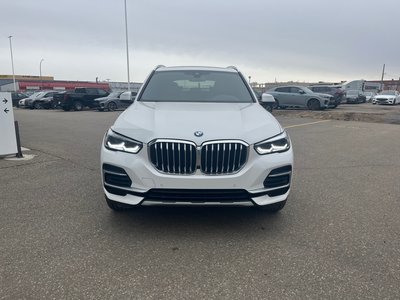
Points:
[388,93]
[352,92]
[307,90]
[35,95]
[114,95]
[196,86]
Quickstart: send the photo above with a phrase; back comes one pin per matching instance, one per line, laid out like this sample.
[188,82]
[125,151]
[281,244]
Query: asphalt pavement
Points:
[337,238]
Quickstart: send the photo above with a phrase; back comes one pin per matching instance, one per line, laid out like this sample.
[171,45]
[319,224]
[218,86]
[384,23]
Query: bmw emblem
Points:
[198,133]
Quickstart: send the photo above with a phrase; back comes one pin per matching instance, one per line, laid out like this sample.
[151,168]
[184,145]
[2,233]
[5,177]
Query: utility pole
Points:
[383,74]
[12,64]
[127,49]
[40,70]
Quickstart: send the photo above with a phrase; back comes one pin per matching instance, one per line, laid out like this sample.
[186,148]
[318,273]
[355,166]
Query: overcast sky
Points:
[307,40]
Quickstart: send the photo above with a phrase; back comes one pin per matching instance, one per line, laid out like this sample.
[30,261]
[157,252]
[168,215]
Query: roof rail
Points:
[159,66]
[232,67]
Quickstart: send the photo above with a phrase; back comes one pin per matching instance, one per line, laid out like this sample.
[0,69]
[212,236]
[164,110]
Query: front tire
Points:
[314,104]
[112,106]
[276,104]
[274,207]
[37,105]
[116,206]
[78,106]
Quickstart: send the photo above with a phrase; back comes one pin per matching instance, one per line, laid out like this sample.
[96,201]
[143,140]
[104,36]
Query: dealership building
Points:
[26,83]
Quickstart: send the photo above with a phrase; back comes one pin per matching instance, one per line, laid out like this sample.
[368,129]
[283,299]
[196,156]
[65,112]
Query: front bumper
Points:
[383,101]
[148,186]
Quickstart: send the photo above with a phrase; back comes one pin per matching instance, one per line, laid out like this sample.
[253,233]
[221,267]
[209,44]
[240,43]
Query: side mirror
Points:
[301,92]
[267,98]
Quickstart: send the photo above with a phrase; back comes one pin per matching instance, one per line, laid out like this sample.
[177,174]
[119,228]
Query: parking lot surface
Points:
[367,112]
[338,236]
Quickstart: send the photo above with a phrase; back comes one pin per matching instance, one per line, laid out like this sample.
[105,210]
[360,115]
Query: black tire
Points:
[313,104]
[116,206]
[276,105]
[78,106]
[111,106]
[273,208]
[37,105]
[66,108]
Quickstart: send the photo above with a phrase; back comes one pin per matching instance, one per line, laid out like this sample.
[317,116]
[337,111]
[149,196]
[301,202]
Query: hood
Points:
[145,121]
[102,99]
[324,95]
[384,96]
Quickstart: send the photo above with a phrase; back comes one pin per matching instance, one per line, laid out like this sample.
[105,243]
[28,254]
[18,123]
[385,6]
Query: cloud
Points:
[291,40]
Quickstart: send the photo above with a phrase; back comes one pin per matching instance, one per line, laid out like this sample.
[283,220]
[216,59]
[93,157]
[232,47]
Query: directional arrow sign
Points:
[8,141]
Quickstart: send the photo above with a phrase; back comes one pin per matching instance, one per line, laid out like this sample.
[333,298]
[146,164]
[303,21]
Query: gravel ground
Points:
[365,112]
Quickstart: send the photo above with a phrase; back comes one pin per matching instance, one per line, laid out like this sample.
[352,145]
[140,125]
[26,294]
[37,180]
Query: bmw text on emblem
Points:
[198,133]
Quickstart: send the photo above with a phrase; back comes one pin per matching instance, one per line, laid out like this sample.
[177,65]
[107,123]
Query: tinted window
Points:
[80,90]
[196,86]
[295,90]
[103,93]
[283,89]
[92,91]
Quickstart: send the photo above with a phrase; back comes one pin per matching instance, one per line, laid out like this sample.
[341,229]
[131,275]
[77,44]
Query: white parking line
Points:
[305,124]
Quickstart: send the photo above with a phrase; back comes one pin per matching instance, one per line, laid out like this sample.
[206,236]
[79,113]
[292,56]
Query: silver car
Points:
[299,96]
[115,100]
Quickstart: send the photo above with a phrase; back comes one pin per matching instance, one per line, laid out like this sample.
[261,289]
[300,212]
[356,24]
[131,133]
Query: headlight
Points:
[279,143]
[117,142]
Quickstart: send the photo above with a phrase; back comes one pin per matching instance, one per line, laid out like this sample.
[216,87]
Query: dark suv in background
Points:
[15,96]
[336,91]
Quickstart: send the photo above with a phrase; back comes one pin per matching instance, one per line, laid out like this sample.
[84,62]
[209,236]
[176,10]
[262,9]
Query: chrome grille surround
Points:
[223,156]
[185,157]
[173,156]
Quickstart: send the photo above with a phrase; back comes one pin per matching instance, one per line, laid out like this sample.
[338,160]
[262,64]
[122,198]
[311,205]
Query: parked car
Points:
[369,96]
[336,91]
[266,100]
[387,97]
[355,96]
[79,98]
[299,96]
[196,136]
[43,100]
[115,100]
[23,102]
[16,96]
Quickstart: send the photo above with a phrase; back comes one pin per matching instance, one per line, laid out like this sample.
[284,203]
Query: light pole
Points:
[12,64]
[250,80]
[127,49]
[40,70]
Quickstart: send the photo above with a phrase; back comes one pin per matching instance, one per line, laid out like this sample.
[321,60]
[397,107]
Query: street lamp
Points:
[127,50]
[40,70]
[250,80]
[12,64]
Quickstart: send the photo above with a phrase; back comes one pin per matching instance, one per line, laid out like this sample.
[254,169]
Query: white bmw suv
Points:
[196,136]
